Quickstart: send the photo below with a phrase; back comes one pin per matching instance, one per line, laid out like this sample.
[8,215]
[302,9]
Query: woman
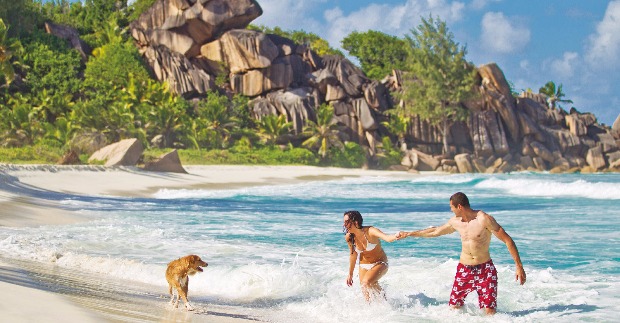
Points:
[366,242]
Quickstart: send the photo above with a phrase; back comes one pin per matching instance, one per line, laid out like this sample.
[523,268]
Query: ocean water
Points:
[281,249]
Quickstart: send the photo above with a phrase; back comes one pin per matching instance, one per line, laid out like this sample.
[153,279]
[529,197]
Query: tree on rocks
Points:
[554,94]
[377,52]
[439,78]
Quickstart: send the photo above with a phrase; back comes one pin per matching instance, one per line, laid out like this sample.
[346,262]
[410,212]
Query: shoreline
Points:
[29,197]
[72,296]
[135,182]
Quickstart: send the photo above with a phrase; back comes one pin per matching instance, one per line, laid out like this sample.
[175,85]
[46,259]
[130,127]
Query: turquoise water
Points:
[281,248]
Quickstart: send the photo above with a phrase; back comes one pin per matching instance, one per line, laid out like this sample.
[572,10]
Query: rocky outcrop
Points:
[169,162]
[185,76]
[70,158]
[615,128]
[185,25]
[170,35]
[71,35]
[189,43]
[123,153]
[463,163]
[497,96]
[241,50]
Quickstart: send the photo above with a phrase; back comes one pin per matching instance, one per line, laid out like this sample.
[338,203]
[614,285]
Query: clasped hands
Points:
[401,235]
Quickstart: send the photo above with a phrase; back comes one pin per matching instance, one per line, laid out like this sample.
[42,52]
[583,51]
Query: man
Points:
[476,271]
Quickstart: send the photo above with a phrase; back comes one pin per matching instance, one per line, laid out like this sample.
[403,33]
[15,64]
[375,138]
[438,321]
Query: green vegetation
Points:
[439,77]
[38,154]
[324,132]
[53,101]
[9,51]
[377,52]
[271,127]
[65,104]
[554,94]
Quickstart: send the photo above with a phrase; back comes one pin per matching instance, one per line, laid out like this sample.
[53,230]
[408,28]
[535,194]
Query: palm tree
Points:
[271,127]
[216,117]
[324,132]
[554,95]
[163,112]
[8,50]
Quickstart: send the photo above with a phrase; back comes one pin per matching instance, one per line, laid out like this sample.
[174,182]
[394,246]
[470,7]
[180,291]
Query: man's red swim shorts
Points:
[481,278]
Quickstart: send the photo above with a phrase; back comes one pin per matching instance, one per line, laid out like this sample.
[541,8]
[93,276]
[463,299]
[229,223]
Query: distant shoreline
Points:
[136,182]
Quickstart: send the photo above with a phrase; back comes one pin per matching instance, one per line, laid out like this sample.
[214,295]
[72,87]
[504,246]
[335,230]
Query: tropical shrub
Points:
[388,154]
[323,134]
[37,154]
[114,66]
[351,156]
[10,51]
[272,126]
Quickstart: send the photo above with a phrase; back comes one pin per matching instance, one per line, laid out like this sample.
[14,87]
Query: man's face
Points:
[455,209]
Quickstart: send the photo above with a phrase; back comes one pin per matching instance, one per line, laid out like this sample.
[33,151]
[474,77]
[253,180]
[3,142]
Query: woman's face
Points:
[346,224]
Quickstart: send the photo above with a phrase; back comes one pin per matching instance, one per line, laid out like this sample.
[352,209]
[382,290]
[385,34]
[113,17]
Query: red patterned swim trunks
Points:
[481,278]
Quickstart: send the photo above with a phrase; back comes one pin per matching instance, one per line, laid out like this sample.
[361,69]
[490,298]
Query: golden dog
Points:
[177,275]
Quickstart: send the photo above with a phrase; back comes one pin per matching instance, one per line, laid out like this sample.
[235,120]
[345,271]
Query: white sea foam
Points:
[291,266]
[553,188]
[344,189]
[302,289]
[447,179]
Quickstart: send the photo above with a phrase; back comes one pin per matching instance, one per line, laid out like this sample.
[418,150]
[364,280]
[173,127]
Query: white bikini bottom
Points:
[370,266]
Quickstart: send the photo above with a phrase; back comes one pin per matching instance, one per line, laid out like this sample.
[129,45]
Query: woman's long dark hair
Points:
[356,218]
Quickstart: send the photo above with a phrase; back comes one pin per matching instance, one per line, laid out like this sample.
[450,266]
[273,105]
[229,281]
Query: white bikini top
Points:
[369,246]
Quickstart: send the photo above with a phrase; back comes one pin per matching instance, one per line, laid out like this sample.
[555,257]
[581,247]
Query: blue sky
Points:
[572,42]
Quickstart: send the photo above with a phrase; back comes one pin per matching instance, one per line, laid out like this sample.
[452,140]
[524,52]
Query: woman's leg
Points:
[369,279]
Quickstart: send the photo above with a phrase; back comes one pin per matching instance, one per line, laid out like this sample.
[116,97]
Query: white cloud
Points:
[479,4]
[525,65]
[604,46]
[391,19]
[565,67]
[289,14]
[501,35]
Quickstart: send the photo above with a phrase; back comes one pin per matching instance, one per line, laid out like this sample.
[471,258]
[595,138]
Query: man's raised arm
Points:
[429,232]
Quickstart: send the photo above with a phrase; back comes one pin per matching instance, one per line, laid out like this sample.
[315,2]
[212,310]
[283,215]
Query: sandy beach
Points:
[27,199]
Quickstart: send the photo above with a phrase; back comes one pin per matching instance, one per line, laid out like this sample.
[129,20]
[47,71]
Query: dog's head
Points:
[194,264]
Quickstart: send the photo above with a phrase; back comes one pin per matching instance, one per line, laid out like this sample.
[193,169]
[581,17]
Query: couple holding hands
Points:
[475,271]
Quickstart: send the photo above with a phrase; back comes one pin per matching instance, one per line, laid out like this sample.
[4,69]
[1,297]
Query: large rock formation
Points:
[189,43]
[171,33]
[185,25]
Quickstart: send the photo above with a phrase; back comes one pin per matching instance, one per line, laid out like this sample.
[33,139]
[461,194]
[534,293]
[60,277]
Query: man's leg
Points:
[489,311]
[463,285]
[486,286]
